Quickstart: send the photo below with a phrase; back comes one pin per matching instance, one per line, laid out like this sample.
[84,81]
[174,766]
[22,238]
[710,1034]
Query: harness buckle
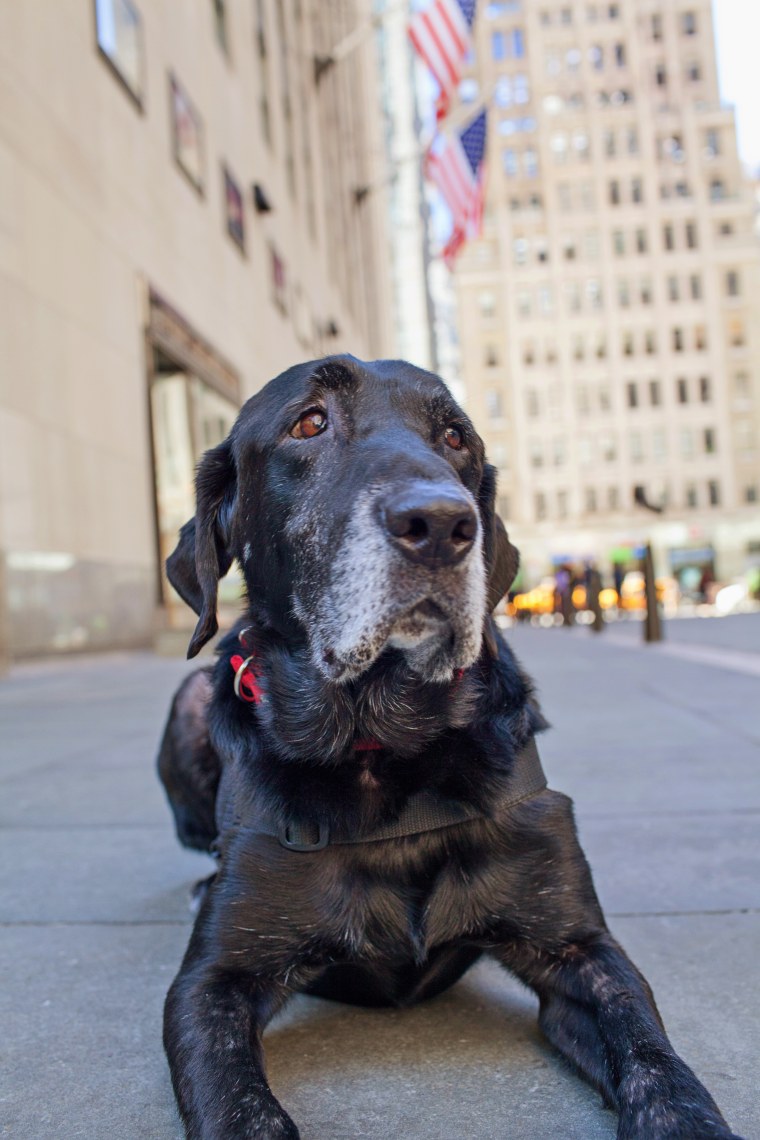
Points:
[292,836]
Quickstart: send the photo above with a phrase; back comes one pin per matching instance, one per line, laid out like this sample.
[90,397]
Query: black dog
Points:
[361,758]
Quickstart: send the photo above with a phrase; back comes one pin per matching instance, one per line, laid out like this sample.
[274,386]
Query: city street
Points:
[659,747]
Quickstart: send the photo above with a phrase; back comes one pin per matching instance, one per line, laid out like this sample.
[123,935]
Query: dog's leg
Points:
[213,1022]
[598,1010]
[188,767]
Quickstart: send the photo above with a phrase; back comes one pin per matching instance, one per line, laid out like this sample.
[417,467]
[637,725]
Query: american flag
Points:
[456,165]
[441,36]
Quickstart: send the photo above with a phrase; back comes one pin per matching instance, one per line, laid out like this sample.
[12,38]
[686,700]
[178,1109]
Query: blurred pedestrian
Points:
[565,595]
[593,592]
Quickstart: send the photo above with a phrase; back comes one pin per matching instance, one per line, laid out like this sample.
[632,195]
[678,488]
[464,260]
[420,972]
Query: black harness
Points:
[236,810]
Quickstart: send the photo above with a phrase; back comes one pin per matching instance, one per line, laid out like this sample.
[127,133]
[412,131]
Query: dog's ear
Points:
[202,555]
[501,557]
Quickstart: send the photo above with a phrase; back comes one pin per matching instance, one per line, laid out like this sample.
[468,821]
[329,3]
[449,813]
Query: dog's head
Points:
[358,502]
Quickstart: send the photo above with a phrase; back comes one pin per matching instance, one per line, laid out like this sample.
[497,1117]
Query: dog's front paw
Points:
[667,1102]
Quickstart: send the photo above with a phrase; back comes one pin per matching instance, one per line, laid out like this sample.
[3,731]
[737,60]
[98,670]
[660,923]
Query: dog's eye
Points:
[454,438]
[309,425]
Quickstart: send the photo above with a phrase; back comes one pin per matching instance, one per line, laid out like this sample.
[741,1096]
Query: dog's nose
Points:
[431,525]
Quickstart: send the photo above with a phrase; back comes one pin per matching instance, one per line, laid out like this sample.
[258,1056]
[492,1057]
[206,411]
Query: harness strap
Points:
[423,812]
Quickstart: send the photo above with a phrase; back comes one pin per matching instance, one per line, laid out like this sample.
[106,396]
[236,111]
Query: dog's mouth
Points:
[423,622]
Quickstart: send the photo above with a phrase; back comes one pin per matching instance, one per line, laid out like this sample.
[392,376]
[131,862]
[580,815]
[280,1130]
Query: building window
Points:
[493,404]
[682,390]
[736,332]
[573,296]
[636,446]
[498,46]
[545,300]
[695,287]
[518,43]
[540,505]
[637,190]
[618,243]
[490,356]
[712,143]
[608,448]
[531,402]
[691,235]
[650,343]
[613,499]
[624,296]
[668,237]
[713,493]
[704,389]
[691,495]
[687,443]
[530,163]
[614,192]
[732,283]
[487,303]
[620,55]
[628,344]
[677,335]
[655,393]
[590,500]
[509,162]
[709,440]
[693,71]
[187,135]
[632,394]
[645,291]
[536,453]
[750,493]
[119,34]
[656,27]
[659,445]
[700,338]
[689,23]
[673,290]
[660,75]
[641,241]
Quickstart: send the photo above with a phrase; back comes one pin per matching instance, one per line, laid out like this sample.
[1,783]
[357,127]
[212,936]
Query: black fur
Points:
[395,921]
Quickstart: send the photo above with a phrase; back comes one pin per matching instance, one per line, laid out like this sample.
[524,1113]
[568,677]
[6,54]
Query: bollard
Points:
[653,622]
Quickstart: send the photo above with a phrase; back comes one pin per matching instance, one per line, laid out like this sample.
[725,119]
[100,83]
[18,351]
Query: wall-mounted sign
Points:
[233,210]
[187,134]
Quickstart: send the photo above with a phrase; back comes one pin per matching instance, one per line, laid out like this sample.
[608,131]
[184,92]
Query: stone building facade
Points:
[610,317]
[179,221]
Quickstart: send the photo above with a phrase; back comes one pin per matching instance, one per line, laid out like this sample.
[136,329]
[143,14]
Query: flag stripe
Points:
[450,64]
[441,37]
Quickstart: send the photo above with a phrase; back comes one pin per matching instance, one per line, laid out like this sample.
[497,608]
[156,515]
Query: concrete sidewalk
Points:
[662,756]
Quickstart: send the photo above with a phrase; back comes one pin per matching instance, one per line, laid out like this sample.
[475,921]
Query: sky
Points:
[737,33]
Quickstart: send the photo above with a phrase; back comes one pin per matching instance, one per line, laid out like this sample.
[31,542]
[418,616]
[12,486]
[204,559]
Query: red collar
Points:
[247,687]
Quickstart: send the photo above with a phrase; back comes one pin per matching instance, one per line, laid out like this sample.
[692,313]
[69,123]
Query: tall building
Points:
[179,221]
[610,317]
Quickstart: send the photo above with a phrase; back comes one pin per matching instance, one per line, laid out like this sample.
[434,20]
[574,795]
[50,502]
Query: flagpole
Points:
[352,41]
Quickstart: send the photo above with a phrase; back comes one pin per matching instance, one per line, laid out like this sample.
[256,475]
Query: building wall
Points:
[597,358]
[95,212]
